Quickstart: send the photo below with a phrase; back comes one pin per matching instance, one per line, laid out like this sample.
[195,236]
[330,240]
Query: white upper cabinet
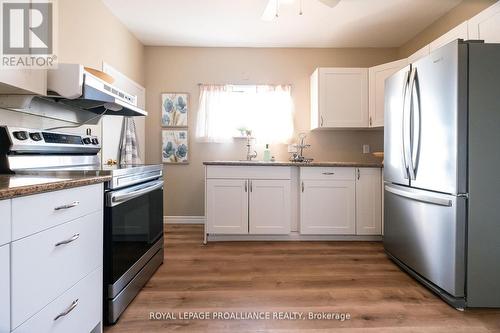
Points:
[339,98]
[23,81]
[423,52]
[486,25]
[460,31]
[368,201]
[377,76]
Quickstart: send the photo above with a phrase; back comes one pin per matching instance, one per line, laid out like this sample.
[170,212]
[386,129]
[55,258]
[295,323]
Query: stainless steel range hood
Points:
[72,85]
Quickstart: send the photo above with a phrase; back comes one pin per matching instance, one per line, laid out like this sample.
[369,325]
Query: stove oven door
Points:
[133,232]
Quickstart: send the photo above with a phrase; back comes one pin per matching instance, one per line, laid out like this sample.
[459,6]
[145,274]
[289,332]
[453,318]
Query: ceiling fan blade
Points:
[270,10]
[330,3]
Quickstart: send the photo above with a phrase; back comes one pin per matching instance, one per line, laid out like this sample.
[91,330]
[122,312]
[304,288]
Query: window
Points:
[264,109]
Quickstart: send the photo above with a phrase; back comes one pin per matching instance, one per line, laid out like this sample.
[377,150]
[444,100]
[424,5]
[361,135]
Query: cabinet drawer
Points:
[43,270]
[5,288]
[5,223]
[320,173]
[249,172]
[38,212]
[82,318]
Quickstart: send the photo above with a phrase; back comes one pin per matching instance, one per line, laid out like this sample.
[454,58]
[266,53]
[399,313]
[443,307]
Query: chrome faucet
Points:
[249,147]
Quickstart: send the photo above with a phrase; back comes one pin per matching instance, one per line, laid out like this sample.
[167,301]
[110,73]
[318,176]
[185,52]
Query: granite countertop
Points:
[19,185]
[300,164]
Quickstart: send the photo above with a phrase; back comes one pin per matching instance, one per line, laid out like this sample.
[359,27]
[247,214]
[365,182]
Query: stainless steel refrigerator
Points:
[442,172]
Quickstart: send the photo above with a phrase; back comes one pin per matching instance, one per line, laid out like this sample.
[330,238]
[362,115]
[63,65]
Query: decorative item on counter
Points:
[297,156]
[267,153]
[111,162]
[245,132]
[174,109]
[273,159]
[175,148]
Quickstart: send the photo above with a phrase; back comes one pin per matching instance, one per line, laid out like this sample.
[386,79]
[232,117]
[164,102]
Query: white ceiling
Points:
[237,23]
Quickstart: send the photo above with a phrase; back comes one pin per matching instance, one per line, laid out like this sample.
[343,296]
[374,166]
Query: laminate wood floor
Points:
[343,277]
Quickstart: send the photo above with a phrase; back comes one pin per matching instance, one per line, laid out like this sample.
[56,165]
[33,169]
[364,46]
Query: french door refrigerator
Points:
[442,172]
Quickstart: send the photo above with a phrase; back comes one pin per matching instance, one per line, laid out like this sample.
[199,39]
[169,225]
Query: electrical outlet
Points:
[292,148]
[366,149]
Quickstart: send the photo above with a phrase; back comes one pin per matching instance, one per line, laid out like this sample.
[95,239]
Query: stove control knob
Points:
[35,136]
[20,135]
[95,141]
[86,141]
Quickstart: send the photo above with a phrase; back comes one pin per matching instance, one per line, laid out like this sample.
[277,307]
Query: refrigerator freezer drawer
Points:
[426,231]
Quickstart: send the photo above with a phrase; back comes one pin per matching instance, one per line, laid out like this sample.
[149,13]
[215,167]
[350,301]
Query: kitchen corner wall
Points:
[464,11]
[88,34]
[180,69]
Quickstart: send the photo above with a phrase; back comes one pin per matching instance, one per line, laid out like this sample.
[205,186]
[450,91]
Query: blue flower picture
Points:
[174,146]
[174,109]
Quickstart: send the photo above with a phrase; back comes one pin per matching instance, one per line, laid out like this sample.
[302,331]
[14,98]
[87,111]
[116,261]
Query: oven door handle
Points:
[116,198]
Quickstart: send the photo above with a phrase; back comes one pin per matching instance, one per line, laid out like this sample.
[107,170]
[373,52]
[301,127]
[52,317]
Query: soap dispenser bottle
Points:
[267,153]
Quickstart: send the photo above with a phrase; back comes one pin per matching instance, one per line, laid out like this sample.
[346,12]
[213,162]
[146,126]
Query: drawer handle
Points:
[71,205]
[69,240]
[68,310]
[328,173]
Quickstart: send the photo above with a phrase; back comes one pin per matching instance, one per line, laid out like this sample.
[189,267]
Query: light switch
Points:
[366,149]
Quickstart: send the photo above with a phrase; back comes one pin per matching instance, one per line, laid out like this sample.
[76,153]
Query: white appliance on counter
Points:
[442,129]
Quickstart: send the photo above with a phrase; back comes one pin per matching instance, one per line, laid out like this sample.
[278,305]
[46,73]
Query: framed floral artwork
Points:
[175,147]
[174,109]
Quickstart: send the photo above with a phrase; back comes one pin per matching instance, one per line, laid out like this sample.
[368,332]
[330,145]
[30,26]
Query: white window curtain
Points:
[266,110]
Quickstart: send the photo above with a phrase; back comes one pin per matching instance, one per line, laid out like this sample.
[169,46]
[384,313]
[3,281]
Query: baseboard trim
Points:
[293,236]
[184,219]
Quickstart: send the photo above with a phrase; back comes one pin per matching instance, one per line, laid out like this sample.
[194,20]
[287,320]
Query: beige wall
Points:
[179,69]
[90,34]
[464,11]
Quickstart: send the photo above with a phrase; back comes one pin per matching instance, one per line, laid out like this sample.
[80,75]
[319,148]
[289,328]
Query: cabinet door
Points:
[5,224]
[270,207]
[343,97]
[5,288]
[227,206]
[377,76]
[327,207]
[368,202]
[460,31]
[486,25]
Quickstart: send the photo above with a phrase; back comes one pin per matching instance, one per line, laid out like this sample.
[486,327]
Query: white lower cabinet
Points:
[368,201]
[58,257]
[77,310]
[51,270]
[341,201]
[5,287]
[327,207]
[248,200]
[227,206]
[270,207]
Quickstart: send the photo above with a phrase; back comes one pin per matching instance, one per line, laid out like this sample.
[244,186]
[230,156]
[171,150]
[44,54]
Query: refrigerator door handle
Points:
[414,123]
[418,196]
[405,128]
